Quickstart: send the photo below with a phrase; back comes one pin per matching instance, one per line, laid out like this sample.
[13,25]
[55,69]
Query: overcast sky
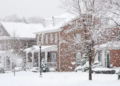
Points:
[28,8]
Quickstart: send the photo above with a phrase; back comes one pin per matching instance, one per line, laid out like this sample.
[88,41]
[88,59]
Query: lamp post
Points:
[40,61]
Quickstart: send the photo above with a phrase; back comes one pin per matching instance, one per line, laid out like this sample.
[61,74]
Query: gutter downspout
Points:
[59,52]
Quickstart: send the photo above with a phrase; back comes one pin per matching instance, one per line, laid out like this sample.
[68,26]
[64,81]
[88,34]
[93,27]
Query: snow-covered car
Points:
[17,69]
[2,70]
[103,70]
[35,69]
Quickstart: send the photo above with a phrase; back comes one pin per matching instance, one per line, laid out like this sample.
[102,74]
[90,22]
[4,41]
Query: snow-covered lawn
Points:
[57,79]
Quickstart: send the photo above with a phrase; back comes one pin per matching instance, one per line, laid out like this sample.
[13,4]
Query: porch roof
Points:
[108,45]
[36,48]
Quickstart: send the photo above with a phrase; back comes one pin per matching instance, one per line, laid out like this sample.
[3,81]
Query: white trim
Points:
[43,48]
[49,31]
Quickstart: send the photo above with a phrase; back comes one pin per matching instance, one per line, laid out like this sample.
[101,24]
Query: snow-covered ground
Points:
[57,79]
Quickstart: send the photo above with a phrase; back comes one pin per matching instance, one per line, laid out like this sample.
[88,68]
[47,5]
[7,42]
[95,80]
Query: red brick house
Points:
[61,47]
[57,41]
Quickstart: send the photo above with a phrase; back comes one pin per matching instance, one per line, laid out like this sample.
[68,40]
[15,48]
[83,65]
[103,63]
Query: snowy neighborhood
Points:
[80,46]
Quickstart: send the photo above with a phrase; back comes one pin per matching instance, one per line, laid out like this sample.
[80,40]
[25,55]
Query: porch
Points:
[49,56]
[108,54]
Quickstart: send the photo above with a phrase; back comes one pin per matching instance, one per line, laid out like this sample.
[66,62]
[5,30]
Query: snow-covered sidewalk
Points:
[57,79]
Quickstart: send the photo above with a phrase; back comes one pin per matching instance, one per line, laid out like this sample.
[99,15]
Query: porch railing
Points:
[51,64]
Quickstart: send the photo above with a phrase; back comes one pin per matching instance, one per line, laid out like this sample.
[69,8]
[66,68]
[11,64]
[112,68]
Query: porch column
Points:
[103,58]
[32,59]
[10,63]
[26,59]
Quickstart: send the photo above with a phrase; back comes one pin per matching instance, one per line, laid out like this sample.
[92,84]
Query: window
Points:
[56,38]
[118,33]
[42,38]
[78,57]
[51,38]
[7,60]
[46,38]
[78,37]
[26,44]
[38,40]
[53,57]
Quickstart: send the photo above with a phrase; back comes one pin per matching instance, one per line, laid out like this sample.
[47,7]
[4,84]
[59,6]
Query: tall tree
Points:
[105,14]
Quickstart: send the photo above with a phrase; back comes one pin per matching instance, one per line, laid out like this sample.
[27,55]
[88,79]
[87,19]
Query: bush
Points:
[2,70]
[46,69]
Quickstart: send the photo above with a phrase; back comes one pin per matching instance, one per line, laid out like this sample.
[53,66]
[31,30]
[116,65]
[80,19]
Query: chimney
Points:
[47,21]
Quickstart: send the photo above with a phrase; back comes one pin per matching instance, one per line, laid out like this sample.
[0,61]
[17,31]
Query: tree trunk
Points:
[90,65]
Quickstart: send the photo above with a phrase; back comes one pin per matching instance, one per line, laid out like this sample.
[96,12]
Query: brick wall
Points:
[69,46]
[115,58]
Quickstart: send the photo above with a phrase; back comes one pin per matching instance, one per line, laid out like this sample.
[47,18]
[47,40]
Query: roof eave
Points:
[48,31]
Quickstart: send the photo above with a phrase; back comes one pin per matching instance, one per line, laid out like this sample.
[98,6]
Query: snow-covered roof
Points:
[21,30]
[53,28]
[43,48]
[108,45]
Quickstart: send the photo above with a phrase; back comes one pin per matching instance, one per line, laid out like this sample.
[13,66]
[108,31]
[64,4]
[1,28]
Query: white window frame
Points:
[53,57]
[78,58]
[78,36]
[51,38]
[56,37]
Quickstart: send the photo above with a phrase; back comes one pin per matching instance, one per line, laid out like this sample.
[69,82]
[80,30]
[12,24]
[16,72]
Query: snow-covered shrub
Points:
[84,59]
[45,68]
[97,64]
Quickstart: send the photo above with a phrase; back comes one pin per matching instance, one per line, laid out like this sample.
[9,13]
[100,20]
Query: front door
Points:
[7,63]
[53,59]
[108,60]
